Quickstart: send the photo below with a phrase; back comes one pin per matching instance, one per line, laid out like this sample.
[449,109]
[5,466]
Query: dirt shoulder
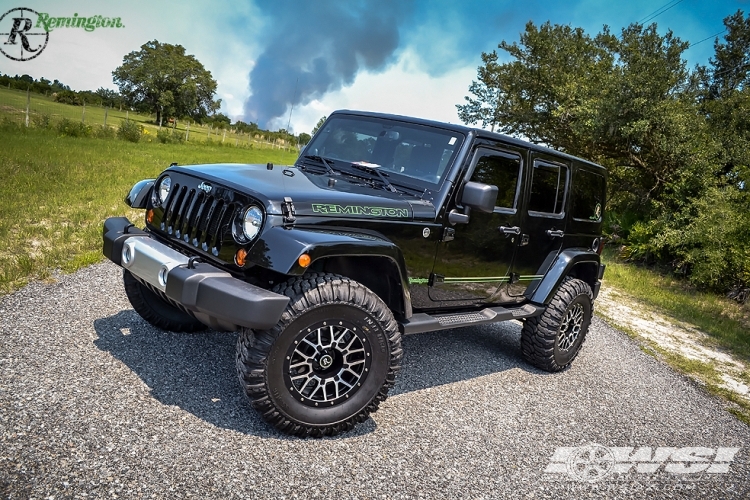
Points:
[682,345]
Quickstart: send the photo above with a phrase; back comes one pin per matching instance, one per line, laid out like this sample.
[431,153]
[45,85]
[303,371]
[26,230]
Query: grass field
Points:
[726,321]
[56,192]
[13,108]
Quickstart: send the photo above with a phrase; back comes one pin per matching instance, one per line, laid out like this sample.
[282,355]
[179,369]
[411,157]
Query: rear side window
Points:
[548,185]
[501,170]
[588,195]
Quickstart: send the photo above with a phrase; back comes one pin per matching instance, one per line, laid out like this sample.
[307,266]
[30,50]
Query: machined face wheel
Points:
[327,363]
[553,339]
[570,327]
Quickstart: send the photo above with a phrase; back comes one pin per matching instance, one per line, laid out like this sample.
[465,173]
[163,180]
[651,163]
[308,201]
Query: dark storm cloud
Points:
[319,47]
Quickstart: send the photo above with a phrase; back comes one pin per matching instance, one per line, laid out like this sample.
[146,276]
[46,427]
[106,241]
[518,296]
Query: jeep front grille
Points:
[198,218]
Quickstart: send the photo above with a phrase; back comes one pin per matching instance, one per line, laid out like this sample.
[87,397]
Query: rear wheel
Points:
[551,341]
[156,310]
[328,363]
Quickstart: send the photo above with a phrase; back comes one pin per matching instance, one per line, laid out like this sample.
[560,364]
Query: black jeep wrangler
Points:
[384,226]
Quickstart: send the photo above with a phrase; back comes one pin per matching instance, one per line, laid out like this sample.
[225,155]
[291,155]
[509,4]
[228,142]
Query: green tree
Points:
[109,97]
[162,79]
[319,124]
[304,138]
[624,101]
[726,97]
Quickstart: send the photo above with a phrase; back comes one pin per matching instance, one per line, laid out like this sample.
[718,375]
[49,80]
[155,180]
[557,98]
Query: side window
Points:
[503,171]
[588,195]
[548,185]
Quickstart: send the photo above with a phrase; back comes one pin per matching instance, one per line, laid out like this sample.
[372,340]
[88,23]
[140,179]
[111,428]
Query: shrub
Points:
[714,244]
[104,132]
[130,131]
[167,136]
[41,120]
[73,128]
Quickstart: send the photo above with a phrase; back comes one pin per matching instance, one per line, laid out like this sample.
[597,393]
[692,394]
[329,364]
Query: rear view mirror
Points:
[479,196]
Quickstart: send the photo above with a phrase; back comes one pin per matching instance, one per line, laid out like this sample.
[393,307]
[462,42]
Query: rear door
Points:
[543,221]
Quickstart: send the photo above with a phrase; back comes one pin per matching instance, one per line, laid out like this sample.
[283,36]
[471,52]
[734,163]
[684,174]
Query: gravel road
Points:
[96,403]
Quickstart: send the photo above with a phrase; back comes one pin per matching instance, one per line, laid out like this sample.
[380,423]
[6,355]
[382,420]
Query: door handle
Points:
[509,230]
[555,234]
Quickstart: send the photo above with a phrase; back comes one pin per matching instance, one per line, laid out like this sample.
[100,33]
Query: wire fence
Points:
[42,111]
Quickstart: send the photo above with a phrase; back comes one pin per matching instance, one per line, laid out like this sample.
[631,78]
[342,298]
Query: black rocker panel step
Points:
[423,322]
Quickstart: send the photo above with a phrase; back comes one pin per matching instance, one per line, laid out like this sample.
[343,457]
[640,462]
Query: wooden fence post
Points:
[187,131]
[105,116]
[28,103]
[83,113]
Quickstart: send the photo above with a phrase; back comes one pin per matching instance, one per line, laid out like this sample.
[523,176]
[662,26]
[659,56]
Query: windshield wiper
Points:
[374,170]
[325,161]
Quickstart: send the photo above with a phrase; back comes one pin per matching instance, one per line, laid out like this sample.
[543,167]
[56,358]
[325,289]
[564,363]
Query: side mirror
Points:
[481,197]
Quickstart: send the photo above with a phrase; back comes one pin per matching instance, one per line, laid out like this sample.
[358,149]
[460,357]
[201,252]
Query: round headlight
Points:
[252,220]
[165,184]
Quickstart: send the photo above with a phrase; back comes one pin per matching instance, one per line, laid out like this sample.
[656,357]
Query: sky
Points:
[287,63]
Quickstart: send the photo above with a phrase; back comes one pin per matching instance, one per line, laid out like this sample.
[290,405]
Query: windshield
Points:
[394,148]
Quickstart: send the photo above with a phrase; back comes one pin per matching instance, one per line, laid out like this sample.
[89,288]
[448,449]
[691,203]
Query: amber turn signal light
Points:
[150,215]
[304,260]
[239,257]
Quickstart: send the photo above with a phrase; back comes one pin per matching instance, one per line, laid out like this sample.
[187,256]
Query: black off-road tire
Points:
[266,359]
[550,341]
[156,310]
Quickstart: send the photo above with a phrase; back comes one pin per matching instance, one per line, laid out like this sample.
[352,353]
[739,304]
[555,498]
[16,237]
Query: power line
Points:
[739,66]
[661,10]
[707,38]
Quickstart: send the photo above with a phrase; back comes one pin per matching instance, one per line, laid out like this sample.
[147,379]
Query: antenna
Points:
[294,96]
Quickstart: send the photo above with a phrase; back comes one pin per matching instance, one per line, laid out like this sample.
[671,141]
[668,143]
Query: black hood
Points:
[313,194]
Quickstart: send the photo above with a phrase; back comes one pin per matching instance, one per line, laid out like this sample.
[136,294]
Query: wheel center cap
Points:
[326,361]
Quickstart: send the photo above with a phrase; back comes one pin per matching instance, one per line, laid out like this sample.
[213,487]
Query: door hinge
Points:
[524,240]
[287,209]
[449,234]
[514,278]
[436,278]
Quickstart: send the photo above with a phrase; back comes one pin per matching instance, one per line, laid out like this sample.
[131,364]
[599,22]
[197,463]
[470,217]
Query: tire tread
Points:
[312,290]
[539,333]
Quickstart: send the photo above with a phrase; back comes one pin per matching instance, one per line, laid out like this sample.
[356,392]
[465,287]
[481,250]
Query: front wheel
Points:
[329,361]
[551,341]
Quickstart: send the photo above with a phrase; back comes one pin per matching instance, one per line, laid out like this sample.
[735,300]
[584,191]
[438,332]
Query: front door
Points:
[474,266]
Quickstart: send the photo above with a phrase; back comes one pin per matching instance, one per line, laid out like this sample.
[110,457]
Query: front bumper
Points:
[213,296]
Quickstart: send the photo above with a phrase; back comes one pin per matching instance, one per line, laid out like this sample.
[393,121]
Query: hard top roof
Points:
[465,130]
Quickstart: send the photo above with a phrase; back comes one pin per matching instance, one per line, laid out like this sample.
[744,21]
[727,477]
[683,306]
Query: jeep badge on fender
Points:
[384,226]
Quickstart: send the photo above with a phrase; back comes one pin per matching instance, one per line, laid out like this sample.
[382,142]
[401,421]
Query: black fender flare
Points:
[138,195]
[562,267]
[279,249]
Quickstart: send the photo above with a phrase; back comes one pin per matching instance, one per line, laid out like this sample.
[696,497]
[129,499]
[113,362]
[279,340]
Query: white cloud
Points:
[401,89]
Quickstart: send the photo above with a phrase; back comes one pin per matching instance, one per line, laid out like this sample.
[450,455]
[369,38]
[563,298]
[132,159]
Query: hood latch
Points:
[287,209]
